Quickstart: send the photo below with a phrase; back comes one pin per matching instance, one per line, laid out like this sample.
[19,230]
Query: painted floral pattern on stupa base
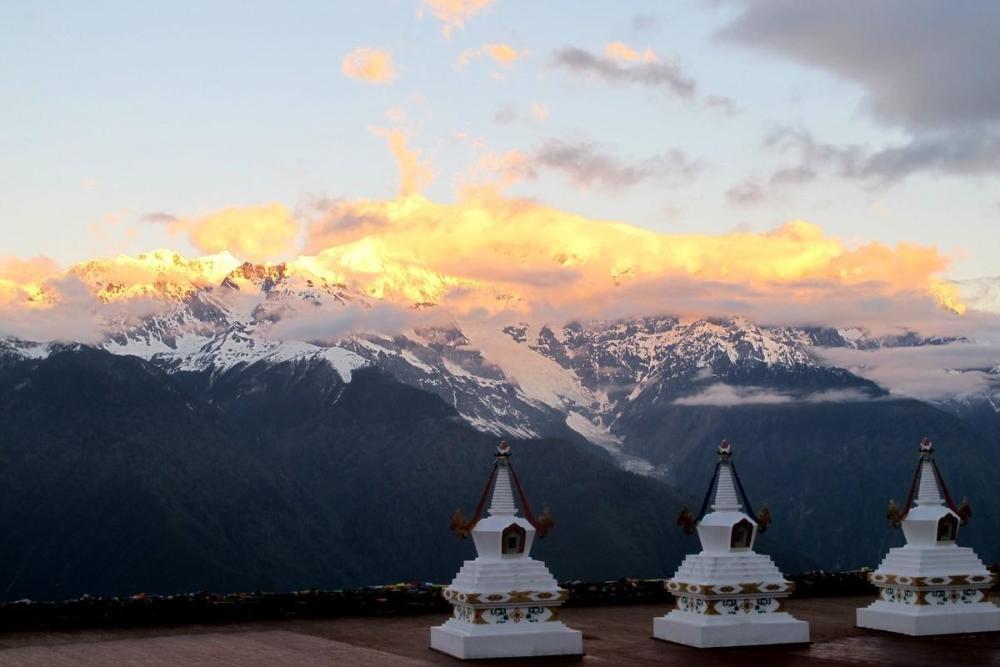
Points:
[746,606]
[954,596]
[728,607]
[504,615]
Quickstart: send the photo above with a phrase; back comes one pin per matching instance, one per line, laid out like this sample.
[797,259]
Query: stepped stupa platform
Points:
[931,586]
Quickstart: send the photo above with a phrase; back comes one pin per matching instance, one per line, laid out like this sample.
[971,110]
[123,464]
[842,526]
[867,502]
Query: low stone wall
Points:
[831,584]
[190,608]
[411,598]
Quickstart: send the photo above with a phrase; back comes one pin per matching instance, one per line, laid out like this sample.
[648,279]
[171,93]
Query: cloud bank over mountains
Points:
[928,372]
[492,256]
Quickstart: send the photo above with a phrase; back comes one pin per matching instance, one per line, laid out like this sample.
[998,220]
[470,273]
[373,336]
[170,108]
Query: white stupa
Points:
[505,602]
[727,595]
[931,586]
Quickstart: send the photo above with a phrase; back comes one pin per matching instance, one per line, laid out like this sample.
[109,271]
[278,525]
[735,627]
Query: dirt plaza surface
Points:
[613,635]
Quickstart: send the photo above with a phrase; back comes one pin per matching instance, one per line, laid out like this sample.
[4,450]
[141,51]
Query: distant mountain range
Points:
[216,442]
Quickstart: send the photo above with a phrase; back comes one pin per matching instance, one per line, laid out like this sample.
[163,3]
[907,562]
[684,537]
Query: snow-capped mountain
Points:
[294,389]
[216,316]
[516,380]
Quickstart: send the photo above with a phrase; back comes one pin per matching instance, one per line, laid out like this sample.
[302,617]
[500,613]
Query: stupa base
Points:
[703,631]
[926,620]
[522,640]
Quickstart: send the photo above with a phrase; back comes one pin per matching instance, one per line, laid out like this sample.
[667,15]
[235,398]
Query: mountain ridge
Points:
[302,421]
[119,478]
[572,380]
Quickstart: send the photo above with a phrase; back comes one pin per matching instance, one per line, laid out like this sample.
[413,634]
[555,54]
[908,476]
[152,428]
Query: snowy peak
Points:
[260,278]
[628,353]
[711,343]
[856,338]
[16,348]
[161,274]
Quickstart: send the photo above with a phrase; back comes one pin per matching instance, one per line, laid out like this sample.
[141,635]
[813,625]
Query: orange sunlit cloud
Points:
[27,270]
[415,172]
[253,233]
[622,52]
[503,55]
[369,65]
[498,171]
[453,13]
[21,280]
[491,255]
[510,254]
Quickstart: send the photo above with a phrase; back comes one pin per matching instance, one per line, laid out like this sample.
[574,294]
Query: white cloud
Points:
[931,372]
[721,394]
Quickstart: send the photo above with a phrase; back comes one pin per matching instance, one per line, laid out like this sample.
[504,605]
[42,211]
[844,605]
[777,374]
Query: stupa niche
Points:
[505,603]
[727,595]
[930,586]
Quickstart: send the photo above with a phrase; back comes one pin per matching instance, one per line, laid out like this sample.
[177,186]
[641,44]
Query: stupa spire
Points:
[928,492]
[725,488]
[502,502]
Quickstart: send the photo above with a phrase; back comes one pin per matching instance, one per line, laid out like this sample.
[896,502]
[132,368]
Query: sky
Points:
[266,129]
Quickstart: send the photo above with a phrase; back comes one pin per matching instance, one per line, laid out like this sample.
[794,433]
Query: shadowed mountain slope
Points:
[119,478]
